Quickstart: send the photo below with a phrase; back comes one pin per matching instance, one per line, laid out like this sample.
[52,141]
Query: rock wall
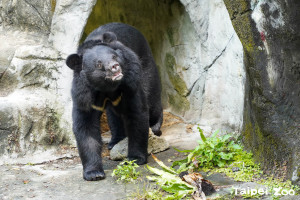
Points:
[199,56]
[195,46]
[269,32]
[35,103]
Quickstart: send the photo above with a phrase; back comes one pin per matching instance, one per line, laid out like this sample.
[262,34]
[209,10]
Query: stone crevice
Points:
[31,70]
[32,85]
[26,136]
[208,67]
[218,56]
[3,73]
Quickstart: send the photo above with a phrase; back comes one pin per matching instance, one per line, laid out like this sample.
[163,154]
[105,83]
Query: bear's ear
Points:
[109,37]
[74,61]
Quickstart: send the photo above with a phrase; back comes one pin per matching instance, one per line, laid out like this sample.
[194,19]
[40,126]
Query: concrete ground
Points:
[60,176]
[62,179]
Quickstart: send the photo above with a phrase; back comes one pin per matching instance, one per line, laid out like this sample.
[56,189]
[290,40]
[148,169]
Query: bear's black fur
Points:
[114,69]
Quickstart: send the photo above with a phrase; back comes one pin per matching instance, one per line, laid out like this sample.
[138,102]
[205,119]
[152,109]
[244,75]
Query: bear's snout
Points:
[115,67]
[116,72]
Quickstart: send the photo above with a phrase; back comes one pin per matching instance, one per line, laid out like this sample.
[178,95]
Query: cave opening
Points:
[170,34]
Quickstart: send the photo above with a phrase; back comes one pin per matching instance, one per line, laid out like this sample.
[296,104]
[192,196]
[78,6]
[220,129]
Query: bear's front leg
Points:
[86,127]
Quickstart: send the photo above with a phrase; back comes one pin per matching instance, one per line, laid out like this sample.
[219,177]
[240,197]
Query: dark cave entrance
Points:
[169,31]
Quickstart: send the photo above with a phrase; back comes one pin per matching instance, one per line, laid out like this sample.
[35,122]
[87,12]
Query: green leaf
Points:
[183,167]
[202,135]
[175,187]
[215,134]
[210,144]
[183,151]
[167,177]
[221,164]
[226,156]
[179,162]
[166,168]
[190,156]
[226,137]
[236,146]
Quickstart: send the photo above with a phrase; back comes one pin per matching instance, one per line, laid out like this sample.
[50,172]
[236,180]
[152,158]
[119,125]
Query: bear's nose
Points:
[115,68]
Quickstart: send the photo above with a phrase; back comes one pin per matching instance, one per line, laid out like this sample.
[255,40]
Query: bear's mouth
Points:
[117,76]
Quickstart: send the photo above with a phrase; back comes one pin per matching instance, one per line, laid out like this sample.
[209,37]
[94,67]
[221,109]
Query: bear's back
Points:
[126,34]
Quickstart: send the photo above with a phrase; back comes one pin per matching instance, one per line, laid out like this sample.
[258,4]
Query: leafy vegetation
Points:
[171,183]
[276,183]
[215,154]
[146,193]
[223,154]
[126,171]
[246,170]
[168,179]
[211,152]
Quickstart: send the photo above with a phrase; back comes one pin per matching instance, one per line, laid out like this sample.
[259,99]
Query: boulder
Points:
[155,145]
[33,16]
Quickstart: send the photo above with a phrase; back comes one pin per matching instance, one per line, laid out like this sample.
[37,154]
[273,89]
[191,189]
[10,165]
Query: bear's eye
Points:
[100,66]
[114,57]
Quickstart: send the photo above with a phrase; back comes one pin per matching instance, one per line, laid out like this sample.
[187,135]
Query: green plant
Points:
[247,171]
[168,179]
[211,152]
[148,192]
[277,185]
[171,183]
[126,171]
[252,196]
[222,155]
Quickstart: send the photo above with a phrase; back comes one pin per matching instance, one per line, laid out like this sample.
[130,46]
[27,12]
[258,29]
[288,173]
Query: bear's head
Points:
[100,64]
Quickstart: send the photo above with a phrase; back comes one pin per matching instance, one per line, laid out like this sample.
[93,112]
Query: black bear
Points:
[114,70]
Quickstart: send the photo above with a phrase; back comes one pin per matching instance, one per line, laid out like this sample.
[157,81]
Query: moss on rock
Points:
[53,5]
[54,133]
[239,12]
[170,33]
[176,80]
[178,103]
[266,130]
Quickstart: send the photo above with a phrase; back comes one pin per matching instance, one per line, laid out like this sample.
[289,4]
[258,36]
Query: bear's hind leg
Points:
[156,122]
[116,127]
[137,129]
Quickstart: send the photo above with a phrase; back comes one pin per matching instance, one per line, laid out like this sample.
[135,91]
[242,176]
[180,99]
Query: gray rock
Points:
[155,145]
[120,150]
[68,13]
[31,118]
[269,32]
[30,121]
[216,76]
[33,15]
[7,127]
